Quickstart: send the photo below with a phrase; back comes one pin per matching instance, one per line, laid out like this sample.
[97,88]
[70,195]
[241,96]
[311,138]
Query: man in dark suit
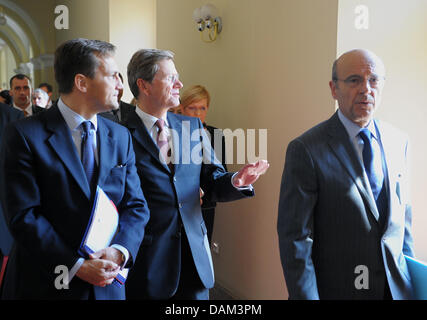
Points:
[21,92]
[174,260]
[121,114]
[7,115]
[344,219]
[53,163]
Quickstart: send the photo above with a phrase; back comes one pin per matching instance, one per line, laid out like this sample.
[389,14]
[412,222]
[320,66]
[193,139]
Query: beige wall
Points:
[397,34]
[87,19]
[132,27]
[269,69]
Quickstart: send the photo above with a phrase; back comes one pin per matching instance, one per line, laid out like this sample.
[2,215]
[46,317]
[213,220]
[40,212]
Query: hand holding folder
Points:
[102,227]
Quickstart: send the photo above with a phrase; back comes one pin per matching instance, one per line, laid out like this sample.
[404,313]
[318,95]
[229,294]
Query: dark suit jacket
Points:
[37,109]
[328,222]
[47,203]
[215,135]
[124,108]
[8,114]
[173,196]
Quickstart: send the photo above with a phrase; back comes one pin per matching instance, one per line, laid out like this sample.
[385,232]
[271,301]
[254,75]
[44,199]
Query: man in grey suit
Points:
[344,220]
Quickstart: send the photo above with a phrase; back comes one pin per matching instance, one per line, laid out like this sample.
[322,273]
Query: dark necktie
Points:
[376,180]
[116,114]
[163,143]
[88,156]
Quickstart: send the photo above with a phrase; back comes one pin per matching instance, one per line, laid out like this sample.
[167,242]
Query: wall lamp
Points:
[207,18]
[3,20]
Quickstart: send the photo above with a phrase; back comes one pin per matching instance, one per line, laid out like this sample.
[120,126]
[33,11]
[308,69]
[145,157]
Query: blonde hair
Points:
[193,94]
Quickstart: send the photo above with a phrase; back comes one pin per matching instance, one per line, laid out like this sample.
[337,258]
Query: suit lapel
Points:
[180,132]
[343,149]
[106,148]
[387,148]
[141,135]
[62,143]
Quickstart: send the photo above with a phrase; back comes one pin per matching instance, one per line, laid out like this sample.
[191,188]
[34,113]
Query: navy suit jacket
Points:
[47,203]
[124,109]
[328,221]
[8,114]
[173,196]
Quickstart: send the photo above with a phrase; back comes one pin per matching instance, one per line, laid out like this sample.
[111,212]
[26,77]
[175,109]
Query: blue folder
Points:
[418,271]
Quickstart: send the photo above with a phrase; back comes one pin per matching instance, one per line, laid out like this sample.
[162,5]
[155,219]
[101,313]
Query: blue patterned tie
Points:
[375,180]
[88,156]
[368,160]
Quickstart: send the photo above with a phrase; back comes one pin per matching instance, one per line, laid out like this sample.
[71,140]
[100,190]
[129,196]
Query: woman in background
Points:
[195,103]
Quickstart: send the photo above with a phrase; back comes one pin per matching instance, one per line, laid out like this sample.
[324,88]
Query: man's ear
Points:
[333,86]
[80,82]
[143,86]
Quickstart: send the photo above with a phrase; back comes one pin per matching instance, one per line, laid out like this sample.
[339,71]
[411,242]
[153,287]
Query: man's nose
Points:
[365,86]
[178,84]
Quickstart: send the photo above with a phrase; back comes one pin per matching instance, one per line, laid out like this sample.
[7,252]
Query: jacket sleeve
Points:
[298,197]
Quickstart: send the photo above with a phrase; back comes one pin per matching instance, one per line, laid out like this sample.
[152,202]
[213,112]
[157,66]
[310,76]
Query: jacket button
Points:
[180,205]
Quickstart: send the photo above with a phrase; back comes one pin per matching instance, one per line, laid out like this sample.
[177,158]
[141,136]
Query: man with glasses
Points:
[173,161]
[344,219]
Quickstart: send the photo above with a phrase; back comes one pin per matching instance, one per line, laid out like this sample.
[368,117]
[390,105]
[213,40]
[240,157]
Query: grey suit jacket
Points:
[328,223]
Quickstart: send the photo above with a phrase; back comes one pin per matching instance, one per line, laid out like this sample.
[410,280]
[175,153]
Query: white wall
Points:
[397,33]
[269,69]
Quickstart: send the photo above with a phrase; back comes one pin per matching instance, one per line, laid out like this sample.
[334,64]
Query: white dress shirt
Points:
[28,109]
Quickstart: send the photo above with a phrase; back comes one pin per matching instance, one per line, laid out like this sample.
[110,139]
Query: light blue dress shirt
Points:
[149,123]
[74,121]
[353,132]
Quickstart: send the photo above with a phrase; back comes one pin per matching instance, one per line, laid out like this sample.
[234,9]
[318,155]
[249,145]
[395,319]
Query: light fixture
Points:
[207,18]
[3,19]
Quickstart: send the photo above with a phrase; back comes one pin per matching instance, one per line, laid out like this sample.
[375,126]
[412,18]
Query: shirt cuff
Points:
[75,268]
[124,251]
[244,188]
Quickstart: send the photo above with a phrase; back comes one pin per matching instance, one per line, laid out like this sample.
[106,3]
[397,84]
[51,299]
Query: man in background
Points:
[21,91]
[40,98]
[46,87]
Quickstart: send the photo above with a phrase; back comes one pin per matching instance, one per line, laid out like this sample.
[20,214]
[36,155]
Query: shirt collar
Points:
[353,129]
[72,118]
[149,120]
[29,108]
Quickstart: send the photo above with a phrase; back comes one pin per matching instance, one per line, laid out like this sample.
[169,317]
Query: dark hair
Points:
[144,65]
[78,56]
[47,85]
[5,95]
[19,76]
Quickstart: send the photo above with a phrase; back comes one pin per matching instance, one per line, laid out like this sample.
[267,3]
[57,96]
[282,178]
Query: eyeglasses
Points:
[173,78]
[356,81]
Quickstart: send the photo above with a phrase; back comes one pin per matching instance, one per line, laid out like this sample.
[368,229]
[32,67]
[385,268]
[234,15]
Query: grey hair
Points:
[144,65]
[42,92]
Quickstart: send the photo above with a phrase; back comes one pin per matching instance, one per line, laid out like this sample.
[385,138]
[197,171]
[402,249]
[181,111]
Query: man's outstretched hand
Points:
[250,173]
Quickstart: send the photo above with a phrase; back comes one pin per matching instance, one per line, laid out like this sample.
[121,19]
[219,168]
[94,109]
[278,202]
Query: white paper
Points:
[104,223]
